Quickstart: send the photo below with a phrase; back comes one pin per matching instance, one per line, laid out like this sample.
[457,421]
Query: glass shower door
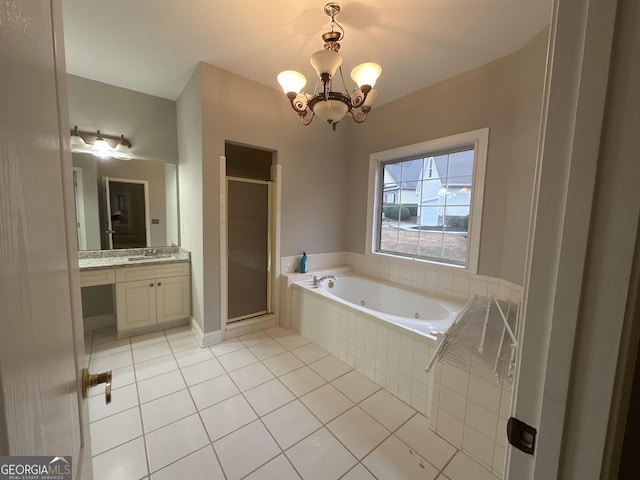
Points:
[247,248]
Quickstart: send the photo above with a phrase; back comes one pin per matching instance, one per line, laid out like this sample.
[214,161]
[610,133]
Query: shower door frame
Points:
[270,239]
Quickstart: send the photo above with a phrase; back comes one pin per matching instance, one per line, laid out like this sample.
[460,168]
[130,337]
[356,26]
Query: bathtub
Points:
[424,314]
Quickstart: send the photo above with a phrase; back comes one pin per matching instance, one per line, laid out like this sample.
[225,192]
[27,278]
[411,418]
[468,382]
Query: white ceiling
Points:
[153,46]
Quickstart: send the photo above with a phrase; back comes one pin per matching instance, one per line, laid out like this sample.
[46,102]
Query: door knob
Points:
[92,379]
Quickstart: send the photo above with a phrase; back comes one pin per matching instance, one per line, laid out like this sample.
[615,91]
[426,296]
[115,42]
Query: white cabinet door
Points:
[135,304]
[173,298]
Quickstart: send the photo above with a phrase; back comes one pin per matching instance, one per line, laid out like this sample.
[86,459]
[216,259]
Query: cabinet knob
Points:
[151,284]
[159,284]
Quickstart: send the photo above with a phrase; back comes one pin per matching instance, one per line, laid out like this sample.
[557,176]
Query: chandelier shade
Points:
[291,81]
[325,62]
[366,74]
[326,103]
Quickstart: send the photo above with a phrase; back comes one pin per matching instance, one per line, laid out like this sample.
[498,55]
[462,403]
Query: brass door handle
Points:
[92,379]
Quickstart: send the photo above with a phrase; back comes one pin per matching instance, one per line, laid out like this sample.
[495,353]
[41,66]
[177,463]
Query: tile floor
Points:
[269,405]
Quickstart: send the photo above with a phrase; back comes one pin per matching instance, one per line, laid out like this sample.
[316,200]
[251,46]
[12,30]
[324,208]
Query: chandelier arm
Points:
[344,84]
[359,116]
[297,104]
[306,117]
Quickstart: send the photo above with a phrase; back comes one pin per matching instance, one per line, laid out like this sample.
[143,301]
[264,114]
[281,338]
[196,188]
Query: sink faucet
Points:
[150,252]
[317,281]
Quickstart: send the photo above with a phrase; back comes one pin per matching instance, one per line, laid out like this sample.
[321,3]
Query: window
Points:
[435,210]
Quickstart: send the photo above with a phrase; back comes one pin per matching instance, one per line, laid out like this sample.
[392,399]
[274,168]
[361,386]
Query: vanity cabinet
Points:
[152,295]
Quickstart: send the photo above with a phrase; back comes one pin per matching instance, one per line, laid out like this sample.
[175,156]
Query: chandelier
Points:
[326,103]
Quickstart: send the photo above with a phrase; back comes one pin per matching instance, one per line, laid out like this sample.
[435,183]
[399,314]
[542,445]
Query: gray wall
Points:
[148,121]
[190,188]
[488,96]
[314,183]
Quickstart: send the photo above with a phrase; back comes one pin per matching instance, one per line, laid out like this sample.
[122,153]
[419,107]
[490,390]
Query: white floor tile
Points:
[358,473]
[254,338]
[266,349]
[192,356]
[320,456]
[302,381]
[393,459]
[292,341]
[462,468]
[201,464]
[126,462]
[155,367]
[277,469]
[276,332]
[238,359]
[326,402]
[213,391]
[358,431]
[115,430]
[179,344]
[227,416]
[181,331]
[226,347]
[148,339]
[202,371]
[165,410]
[150,352]
[268,396]
[355,386]
[111,362]
[387,409]
[110,348]
[330,368]
[245,450]
[309,353]
[160,386]
[121,399]
[283,363]
[251,376]
[417,434]
[291,423]
[174,441]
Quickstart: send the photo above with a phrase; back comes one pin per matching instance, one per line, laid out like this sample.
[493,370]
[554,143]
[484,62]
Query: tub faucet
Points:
[317,281]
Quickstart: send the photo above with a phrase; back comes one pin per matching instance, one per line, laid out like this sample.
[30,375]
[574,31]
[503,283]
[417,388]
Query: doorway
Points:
[249,232]
[127,213]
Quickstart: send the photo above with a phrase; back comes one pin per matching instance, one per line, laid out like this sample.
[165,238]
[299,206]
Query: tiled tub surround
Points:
[423,276]
[471,415]
[391,356]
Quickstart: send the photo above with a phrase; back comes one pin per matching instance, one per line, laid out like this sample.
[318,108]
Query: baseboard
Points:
[205,339]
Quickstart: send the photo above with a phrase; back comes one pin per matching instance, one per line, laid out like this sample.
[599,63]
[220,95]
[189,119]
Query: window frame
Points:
[479,139]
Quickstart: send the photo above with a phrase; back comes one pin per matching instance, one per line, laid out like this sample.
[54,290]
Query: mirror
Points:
[161,181]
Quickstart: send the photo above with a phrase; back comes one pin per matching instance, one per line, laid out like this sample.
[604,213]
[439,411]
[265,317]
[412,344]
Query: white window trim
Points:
[480,140]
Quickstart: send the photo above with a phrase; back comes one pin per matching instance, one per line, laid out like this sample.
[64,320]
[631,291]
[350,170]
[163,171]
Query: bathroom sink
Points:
[142,258]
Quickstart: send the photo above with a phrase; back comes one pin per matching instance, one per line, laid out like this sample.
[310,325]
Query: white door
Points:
[577,263]
[41,337]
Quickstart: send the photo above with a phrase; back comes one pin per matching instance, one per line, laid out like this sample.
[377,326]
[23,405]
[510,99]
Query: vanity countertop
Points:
[134,257]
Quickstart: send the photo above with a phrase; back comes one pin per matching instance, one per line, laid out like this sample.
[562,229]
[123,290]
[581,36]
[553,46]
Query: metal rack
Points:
[482,339]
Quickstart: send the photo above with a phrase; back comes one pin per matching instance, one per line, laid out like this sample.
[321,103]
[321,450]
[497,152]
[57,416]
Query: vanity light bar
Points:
[90,138]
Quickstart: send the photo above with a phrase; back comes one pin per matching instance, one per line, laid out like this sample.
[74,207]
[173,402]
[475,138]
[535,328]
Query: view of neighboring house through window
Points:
[426,200]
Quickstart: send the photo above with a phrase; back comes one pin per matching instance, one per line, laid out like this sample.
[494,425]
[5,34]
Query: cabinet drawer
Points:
[130,274]
[103,276]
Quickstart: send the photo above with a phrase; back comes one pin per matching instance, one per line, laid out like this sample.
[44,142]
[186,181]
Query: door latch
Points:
[93,379]
[521,435]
